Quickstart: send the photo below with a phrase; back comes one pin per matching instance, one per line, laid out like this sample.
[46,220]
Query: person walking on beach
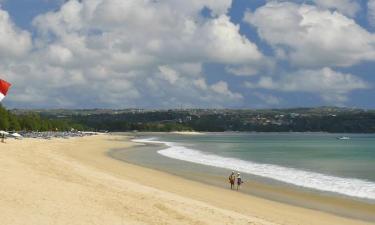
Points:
[232,178]
[239,181]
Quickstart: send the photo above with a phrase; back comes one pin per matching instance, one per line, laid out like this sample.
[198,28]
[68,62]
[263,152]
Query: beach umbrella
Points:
[3,132]
[16,135]
[4,87]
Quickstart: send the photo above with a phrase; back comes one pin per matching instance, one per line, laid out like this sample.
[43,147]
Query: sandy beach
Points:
[73,181]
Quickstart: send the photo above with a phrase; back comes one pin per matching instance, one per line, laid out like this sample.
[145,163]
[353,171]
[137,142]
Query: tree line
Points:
[314,120]
[34,122]
[344,122]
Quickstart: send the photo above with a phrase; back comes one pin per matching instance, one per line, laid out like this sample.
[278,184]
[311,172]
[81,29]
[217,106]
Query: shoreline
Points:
[187,132]
[249,132]
[257,173]
[158,146]
[337,204]
[73,181]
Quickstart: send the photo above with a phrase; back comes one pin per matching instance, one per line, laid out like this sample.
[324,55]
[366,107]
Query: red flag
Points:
[4,87]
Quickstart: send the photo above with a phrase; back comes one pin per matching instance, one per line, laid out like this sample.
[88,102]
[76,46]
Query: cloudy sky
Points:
[197,53]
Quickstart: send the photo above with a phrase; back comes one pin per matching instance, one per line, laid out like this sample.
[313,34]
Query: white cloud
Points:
[114,53]
[217,7]
[59,23]
[222,88]
[332,86]
[312,37]
[224,44]
[13,41]
[168,74]
[268,99]
[346,7]
[192,69]
[59,55]
[200,83]
[170,34]
[241,70]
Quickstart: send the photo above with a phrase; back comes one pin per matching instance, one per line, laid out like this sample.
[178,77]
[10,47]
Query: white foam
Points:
[346,186]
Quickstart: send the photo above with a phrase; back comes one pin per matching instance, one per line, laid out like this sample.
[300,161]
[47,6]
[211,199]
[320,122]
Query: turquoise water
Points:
[314,160]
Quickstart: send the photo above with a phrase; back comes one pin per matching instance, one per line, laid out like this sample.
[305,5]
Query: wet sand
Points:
[146,155]
[73,181]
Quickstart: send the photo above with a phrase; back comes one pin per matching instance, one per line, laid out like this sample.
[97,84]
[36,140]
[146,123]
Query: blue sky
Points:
[201,53]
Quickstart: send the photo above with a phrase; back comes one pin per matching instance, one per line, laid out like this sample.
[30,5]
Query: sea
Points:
[315,161]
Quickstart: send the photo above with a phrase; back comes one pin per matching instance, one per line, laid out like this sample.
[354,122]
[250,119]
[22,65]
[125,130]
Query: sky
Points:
[191,54]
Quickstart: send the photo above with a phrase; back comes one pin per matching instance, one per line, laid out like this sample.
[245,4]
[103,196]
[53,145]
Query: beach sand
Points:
[73,181]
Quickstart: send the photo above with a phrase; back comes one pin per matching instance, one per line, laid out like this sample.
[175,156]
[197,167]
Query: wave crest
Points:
[345,186]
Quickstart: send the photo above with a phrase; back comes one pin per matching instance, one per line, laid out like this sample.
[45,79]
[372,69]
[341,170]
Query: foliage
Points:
[34,122]
[312,120]
[323,119]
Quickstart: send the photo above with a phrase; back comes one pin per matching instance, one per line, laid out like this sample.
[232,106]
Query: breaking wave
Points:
[345,186]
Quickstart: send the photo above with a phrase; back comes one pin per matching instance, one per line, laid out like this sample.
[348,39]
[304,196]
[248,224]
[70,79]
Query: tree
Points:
[4,118]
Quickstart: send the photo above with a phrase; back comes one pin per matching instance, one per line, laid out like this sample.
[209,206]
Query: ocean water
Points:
[316,161]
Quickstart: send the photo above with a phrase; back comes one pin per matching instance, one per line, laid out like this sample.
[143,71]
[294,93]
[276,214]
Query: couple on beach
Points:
[233,178]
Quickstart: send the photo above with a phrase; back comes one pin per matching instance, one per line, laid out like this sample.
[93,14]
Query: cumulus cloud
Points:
[268,99]
[170,34]
[252,67]
[346,7]
[221,88]
[115,53]
[309,36]
[168,74]
[332,86]
[242,70]
[13,41]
